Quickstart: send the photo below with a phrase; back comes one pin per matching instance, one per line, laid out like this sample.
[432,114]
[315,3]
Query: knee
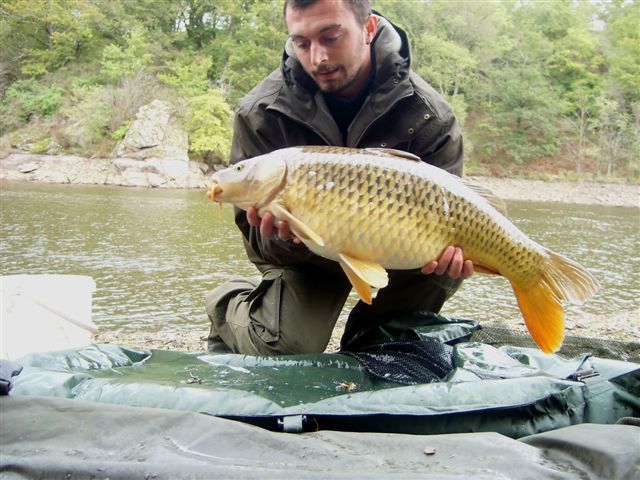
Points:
[217,300]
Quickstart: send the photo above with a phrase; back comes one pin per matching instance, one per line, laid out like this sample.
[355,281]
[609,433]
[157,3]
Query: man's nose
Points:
[319,54]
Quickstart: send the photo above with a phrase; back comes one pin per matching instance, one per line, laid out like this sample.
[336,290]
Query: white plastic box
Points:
[41,313]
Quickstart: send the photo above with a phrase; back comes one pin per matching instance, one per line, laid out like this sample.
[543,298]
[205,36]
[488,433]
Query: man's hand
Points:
[268,225]
[450,262]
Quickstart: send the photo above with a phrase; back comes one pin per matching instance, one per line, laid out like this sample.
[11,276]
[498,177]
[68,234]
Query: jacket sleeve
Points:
[260,250]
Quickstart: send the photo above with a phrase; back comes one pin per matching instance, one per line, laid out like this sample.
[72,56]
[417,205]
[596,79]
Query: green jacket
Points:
[286,109]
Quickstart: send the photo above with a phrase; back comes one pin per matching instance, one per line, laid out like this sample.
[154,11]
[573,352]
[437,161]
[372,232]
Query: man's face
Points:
[332,46]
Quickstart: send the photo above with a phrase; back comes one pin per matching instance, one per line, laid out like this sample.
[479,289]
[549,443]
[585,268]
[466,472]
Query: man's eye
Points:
[302,46]
[331,39]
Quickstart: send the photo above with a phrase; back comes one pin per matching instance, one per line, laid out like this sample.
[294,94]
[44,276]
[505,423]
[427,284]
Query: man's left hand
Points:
[452,263]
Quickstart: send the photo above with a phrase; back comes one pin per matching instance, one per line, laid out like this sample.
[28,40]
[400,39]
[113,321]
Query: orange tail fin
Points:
[540,305]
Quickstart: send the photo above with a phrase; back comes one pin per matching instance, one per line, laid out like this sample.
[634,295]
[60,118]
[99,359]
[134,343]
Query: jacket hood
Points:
[391,52]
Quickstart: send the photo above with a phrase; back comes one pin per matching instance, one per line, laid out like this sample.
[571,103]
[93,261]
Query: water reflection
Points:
[156,253]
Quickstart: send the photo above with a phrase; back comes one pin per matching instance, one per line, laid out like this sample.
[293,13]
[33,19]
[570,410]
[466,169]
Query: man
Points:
[344,81]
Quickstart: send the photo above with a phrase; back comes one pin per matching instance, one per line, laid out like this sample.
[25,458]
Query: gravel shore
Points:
[583,193]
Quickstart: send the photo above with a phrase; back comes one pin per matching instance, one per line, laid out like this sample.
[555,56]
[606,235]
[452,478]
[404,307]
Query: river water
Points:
[154,254]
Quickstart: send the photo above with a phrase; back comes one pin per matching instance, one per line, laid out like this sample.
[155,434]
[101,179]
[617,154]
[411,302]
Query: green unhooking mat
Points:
[510,390]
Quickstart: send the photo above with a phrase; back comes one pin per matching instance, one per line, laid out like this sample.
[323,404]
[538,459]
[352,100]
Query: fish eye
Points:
[239,167]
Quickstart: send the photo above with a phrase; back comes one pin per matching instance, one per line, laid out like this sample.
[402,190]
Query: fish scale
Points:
[378,209]
[367,207]
[428,208]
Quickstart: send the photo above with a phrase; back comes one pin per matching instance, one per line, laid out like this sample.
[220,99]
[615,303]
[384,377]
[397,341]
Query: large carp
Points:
[377,209]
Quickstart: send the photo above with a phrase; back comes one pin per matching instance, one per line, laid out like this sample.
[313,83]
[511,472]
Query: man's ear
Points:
[371,28]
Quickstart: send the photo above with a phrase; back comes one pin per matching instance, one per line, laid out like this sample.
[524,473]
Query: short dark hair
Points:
[360,8]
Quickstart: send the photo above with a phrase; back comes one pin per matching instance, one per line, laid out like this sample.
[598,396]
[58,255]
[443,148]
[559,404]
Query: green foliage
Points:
[86,118]
[460,108]
[45,35]
[188,74]
[209,126]
[119,62]
[41,146]
[445,65]
[121,132]
[624,33]
[25,100]
[251,48]
[248,65]
[529,81]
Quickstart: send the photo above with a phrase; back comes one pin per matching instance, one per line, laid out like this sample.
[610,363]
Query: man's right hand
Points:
[269,226]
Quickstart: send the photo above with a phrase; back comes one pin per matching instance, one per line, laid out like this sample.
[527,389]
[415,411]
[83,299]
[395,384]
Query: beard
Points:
[337,85]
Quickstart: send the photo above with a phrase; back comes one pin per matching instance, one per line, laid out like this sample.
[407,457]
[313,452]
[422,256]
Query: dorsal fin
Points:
[495,201]
[395,153]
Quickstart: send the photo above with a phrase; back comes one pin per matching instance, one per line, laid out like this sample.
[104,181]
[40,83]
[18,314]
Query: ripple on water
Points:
[155,254]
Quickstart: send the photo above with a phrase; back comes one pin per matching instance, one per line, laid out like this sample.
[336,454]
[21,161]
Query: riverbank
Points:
[157,173]
[582,192]
[623,326]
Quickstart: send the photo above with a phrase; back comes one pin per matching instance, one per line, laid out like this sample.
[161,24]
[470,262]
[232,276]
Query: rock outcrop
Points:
[154,153]
[102,171]
[155,133]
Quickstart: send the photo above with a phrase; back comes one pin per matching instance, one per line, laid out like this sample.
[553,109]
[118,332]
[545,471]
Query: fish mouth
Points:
[213,190]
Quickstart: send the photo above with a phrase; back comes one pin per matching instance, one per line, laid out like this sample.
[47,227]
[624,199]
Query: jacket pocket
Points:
[264,307]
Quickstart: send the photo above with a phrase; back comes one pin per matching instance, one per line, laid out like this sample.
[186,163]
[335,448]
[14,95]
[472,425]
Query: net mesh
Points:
[415,361]
[406,362]
[572,346]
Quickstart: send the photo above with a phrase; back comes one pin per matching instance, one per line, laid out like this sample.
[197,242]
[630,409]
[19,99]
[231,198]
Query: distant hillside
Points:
[551,88]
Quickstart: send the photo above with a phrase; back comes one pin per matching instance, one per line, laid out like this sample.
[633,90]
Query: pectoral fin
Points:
[298,227]
[363,275]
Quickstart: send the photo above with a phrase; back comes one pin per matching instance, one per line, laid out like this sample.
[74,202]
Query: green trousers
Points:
[293,310]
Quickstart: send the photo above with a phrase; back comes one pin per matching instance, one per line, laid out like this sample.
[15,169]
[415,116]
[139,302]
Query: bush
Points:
[128,96]
[188,74]
[25,100]
[121,132]
[87,118]
[209,124]
[118,62]
[41,146]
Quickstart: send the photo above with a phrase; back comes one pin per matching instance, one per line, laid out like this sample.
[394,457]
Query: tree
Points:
[576,66]
[449,67]
[188,74]
[208,120]
[45,35]
[118,62]
[521,106]
[252,48]
[624,56]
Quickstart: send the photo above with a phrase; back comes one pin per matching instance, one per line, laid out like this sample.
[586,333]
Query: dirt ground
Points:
[625,326]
